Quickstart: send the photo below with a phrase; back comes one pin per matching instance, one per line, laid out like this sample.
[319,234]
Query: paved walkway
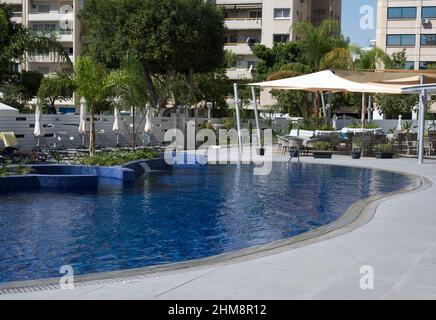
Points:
[399,243]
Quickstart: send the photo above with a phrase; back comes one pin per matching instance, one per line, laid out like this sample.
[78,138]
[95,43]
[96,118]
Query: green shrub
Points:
[312,124]
[371,125]
[4,170]
[109,159]
[358,143]
[14,171]
[384,148]
[322,146]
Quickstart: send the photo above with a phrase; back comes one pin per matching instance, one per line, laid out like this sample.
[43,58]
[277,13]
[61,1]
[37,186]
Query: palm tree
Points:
[54,87]
[128,84]
[91,82]
[21,44]
[323,47]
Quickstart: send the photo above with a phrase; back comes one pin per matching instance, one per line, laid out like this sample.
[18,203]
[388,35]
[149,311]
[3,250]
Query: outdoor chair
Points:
[11,152]
[432,140]
[401,138]
[412,142]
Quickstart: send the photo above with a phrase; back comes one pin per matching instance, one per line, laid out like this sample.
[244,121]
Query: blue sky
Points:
[351,21]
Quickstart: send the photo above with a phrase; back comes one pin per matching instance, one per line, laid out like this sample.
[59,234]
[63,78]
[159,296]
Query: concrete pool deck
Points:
[399,243]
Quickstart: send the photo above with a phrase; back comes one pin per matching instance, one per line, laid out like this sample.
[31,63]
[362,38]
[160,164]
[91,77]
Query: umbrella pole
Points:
[238,117]
[324,111]
[256,115]
[421,126]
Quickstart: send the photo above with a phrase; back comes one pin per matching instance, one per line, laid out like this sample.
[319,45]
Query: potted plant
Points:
[322,150]
[384,151]
[357,149]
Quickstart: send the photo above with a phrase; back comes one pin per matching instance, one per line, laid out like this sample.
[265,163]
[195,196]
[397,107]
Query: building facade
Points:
[267,21]
[59,17]
[409,25]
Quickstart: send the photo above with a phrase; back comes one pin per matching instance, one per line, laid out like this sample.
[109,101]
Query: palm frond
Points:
[29,44]
[339,58]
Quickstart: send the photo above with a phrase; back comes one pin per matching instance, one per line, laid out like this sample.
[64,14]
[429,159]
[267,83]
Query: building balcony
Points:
[239,48]
[65,37]
[47,59]
[239,74]
[44,17]
[243,23]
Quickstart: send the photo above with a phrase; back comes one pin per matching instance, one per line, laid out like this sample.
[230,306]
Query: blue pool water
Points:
[191,213]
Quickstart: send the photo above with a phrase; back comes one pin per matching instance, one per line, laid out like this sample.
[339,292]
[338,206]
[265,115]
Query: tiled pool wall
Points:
[65,177]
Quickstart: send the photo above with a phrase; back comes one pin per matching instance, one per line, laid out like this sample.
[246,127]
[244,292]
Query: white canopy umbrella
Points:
[334,122]
[117,124]
[148,126]
[327,80]
[37,132]
[82,123]
[400,123]
[6,111]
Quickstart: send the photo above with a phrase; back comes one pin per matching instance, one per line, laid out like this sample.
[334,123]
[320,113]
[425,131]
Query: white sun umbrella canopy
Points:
[334,122]
[400,123]
[117,124]
[325,81]
[37,132]
[148,126]
[82,123]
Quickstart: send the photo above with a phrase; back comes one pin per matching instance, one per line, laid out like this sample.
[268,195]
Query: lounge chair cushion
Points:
[9,139]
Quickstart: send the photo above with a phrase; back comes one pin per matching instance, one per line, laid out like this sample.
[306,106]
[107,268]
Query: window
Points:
[428,12]
[255,14]
[409,65]
[401,40]
[424,65]
[281,38]
[44,8]
[282,13]
[428,40]
[47,27]
[402,13]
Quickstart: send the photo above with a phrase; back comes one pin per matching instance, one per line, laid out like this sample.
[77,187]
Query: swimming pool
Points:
[190,213]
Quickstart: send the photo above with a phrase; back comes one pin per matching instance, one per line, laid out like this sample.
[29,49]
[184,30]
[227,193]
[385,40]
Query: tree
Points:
[167,37]
[292,102]
[318,41]
[58,86]
[319,46]
[30,82]
[391,106]
[91,82]
[19,44]
[277,58]
[128,85]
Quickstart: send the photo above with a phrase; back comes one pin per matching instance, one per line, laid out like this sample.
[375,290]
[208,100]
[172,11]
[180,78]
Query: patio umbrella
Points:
[334,122]
[400,123]
[116,126]
[148,125]
[37,132]
[82,123]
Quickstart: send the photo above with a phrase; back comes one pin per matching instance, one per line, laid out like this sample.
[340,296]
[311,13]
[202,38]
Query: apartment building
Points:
[409,25]
[57,16]
[267,21]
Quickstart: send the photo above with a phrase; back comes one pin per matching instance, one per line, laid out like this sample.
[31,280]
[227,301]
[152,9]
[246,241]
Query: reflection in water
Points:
[191,213]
